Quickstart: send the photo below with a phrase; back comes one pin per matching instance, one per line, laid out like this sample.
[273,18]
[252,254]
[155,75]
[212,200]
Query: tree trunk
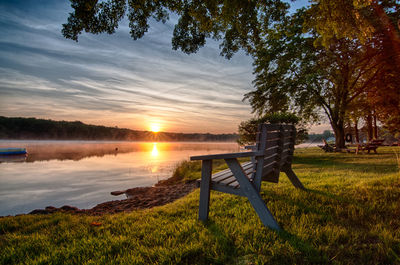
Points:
[375,127]
[369,127]
[356,131]
[338,129]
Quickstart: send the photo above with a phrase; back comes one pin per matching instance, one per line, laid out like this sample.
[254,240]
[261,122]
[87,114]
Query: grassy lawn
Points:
[349,215]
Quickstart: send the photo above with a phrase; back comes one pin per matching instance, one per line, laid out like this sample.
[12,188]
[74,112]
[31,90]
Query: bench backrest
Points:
[376,142]
[277,141]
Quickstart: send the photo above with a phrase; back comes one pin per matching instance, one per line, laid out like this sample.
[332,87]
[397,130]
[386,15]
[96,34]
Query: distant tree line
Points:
[41,129]
[316,137]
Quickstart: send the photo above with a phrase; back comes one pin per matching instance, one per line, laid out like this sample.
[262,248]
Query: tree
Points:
[293,73]
[236,24]
[248,129]
[383,94]
[359,19]
[376,24]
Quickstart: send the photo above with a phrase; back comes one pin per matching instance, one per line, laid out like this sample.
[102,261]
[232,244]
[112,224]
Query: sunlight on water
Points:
[83,173]
[154,152]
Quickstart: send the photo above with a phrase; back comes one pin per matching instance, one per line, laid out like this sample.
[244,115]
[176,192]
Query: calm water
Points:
[82,173]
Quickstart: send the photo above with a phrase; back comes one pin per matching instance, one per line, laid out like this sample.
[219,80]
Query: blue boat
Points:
[12,151]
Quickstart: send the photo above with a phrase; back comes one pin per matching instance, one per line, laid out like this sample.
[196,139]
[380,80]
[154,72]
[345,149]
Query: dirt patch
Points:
[137,198]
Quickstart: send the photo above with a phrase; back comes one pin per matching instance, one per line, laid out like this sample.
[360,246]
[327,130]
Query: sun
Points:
[155,127]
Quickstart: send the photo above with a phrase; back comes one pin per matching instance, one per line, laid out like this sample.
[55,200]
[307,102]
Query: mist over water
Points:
[83,173]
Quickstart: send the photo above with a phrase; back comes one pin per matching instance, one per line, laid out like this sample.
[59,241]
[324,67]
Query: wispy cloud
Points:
[113,80]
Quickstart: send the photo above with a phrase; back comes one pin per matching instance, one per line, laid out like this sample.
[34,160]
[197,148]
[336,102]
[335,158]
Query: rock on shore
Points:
[137,198]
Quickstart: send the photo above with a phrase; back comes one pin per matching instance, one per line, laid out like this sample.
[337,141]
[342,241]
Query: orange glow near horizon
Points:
[154,127]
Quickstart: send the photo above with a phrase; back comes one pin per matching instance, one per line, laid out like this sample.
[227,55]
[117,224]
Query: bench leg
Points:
[252,194]
[205,189]
[293,178]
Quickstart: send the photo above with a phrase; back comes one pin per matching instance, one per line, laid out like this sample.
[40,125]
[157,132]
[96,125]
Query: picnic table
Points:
[361,147]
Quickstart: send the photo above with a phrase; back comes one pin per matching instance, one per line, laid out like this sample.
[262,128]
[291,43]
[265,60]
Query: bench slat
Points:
[270,160]
[227,189]
[248,166]
[227,181]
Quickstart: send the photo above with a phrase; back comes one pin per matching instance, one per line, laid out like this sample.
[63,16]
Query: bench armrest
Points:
[226,156]
[250,147]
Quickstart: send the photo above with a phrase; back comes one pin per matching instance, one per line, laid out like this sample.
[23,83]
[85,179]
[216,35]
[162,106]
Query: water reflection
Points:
[154,152]
[154,159]
[83,174]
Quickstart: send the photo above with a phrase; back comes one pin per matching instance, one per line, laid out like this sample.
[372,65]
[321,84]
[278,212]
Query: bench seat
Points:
[225,180]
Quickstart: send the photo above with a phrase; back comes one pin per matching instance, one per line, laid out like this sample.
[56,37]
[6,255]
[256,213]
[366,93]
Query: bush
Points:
[248,129]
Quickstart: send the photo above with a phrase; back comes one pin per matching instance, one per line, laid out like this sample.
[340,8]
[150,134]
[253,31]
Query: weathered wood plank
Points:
[267,171]
[228,173]
[286,134]
[288,139]
[272,127]
[271,150]
[234,185]
[287,144]
[293,178]
[288,126]
[291,146]
[274,177]
[223,177]
[227,189]
[227,181]
[273,135]
[223,156]
[271,144]
[221,173]
[206,169]
[271,160]
[232,178]
[270,165]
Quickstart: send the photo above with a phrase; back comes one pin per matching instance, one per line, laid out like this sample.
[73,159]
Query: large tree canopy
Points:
[236,24]
[294,74]
[359,19]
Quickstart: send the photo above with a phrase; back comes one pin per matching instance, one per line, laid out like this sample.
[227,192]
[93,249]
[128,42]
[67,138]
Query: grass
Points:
[186,171]
[349,215]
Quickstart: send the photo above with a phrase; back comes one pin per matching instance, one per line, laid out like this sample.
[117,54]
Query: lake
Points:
[83,173]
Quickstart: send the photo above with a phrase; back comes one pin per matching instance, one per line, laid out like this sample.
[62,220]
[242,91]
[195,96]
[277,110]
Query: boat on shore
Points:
[12,151]
[13,158]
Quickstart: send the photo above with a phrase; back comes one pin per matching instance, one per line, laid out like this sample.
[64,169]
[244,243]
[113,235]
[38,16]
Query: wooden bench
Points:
[272,154]
[370,146]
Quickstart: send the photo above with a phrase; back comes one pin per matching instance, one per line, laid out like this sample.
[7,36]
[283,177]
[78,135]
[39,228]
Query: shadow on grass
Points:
[223,241]
[309,254]
[335,197]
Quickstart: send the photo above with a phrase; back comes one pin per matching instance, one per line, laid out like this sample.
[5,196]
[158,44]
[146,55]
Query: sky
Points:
[113,80]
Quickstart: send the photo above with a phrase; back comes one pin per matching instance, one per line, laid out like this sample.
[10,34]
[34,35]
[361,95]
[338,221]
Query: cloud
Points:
[113,80]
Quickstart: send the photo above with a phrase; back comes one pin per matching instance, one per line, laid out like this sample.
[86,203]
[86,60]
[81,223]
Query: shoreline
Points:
[163,192]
